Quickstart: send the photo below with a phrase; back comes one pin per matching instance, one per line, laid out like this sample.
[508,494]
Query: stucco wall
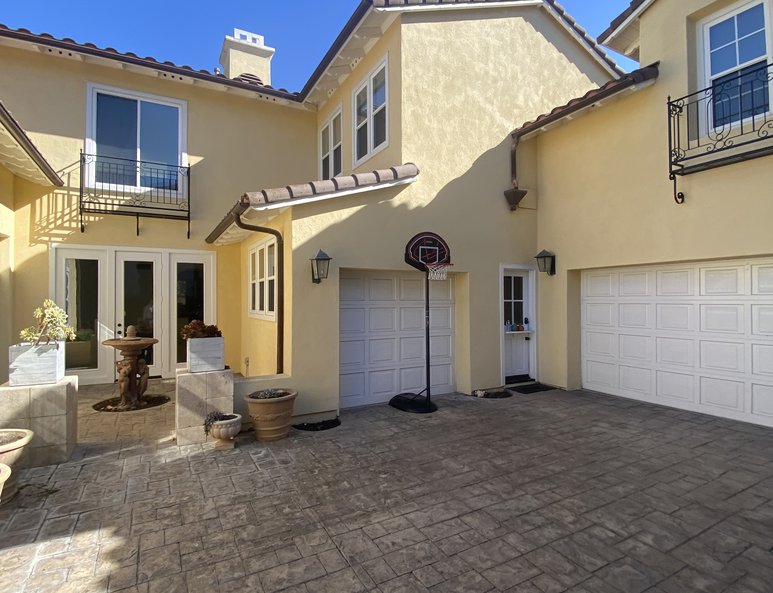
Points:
[235,144]
[6,277]
[605,198]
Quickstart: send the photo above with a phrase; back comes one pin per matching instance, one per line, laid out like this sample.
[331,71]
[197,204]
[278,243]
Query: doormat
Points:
[514,379]
[533,388]
[317,426]
[148,401]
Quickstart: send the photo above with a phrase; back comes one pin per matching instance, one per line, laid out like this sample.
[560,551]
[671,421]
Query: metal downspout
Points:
[280,308]
[515,194]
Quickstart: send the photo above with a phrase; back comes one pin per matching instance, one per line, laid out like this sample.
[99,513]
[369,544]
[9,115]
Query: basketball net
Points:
[437,271]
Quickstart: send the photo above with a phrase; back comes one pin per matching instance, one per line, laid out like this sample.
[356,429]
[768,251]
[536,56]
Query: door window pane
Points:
[138,301]
[190,300]
[81,302]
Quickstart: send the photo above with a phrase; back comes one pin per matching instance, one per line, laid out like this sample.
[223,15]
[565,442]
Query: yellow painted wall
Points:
[6,269]
[235,144]
[467,79]
[605,198]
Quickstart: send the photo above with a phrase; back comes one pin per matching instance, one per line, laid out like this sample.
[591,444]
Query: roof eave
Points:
[621,24]
[20,137]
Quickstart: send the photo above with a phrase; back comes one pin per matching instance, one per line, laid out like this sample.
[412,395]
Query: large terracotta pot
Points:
[12,443]
[272,417]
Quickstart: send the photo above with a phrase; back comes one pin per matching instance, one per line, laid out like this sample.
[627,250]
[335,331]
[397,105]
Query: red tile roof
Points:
[593,96]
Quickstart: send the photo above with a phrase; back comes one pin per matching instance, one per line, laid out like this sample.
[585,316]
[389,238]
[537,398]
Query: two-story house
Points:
[166,171]
[656,204]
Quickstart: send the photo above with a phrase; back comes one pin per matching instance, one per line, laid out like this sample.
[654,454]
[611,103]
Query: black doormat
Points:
[513,379]
[147,401]
[533,388]
[317,426]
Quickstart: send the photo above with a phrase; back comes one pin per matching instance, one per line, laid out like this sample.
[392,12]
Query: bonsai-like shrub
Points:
[213,417]
[268,394]
[198,329]
[52,325]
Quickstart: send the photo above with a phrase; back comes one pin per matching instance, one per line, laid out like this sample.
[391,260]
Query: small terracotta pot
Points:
[226,430]
[272,417]
[12,444]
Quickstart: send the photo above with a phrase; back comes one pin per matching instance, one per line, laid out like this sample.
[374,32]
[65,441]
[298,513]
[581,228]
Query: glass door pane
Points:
[190,300]
[81,302]
[139,301]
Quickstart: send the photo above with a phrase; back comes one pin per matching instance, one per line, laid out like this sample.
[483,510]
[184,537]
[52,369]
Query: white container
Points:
[206,354]
[35,365]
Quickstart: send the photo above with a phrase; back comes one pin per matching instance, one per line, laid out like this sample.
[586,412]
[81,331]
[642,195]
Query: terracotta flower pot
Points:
[12,443]
[272,417]
[226,430]
[5,474]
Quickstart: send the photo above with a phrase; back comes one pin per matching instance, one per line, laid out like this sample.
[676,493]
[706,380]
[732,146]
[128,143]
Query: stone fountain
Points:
[132,370]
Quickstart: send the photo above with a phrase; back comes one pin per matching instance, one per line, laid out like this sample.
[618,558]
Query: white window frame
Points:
[257,251]
[329,150]
[94,89]
[368,84]
[704,57]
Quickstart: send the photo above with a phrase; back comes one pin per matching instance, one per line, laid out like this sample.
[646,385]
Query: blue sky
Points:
[191,33]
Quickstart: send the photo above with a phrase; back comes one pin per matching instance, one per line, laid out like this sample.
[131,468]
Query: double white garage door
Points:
[694,336]
[382,336]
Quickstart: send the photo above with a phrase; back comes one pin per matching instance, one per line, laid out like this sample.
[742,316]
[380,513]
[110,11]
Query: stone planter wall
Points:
[50,411]
[198,394]
[35,365]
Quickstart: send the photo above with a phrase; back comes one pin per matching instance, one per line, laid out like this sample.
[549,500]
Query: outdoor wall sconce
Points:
[546,262]
[320,266]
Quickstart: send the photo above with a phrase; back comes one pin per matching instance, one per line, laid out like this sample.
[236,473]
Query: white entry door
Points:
[517,347]
[692,336]
[382,344]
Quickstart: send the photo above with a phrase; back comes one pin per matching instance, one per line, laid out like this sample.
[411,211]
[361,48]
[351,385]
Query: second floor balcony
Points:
[728,122]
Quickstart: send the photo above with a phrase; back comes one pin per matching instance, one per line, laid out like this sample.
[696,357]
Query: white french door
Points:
[106,289]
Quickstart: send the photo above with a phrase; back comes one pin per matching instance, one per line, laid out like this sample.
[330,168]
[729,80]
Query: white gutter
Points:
[627,22]
[336,194]
[457,6]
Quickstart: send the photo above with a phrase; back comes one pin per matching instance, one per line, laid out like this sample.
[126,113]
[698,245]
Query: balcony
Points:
[141,189]
[727,123]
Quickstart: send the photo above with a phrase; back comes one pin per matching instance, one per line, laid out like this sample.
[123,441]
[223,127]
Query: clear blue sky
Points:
[191,33]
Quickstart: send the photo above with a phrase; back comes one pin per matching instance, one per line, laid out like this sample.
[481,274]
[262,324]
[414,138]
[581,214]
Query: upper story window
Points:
[137,140]
[330,147]
[261,272]
[371,115]
[737,54]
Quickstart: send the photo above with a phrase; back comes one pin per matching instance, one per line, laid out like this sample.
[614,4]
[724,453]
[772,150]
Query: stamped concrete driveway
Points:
[542,493]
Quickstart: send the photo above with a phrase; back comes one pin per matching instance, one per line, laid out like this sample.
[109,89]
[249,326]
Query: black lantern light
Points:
[546,262]
[320,266]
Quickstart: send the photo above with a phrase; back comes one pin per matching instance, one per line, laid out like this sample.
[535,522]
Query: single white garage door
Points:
[382,336]
[693,336]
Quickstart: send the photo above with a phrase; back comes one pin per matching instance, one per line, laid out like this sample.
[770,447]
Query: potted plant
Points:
[81,353]
[12,444]
[222,426]
[271,411]
[40,358]
[206,347]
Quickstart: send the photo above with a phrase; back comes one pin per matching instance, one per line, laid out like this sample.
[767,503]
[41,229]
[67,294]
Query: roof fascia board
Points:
[21,138]
[606,37]
[336,194]
[458,6]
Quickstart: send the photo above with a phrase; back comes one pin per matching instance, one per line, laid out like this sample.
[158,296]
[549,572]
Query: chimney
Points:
[246,53]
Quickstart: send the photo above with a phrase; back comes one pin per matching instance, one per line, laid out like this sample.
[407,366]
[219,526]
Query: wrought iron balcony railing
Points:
[111,185]
[729,122]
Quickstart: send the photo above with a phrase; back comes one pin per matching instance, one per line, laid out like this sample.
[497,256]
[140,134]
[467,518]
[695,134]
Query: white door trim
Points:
[531,270]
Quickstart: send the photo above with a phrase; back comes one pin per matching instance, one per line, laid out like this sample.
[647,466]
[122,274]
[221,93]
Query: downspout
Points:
[515,194]
[236,213]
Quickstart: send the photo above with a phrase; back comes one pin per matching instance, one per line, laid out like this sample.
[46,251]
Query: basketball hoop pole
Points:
[427,340]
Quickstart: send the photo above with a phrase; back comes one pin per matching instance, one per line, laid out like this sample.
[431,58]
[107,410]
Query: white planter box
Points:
[206,354]
[35,365]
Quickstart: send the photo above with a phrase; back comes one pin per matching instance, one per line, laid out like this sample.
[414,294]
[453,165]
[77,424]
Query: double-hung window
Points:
[737,55]
[371,115]
[330,147]
[261,272]
[135,140]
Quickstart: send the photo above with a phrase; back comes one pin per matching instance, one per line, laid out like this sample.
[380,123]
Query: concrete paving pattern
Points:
[539,493]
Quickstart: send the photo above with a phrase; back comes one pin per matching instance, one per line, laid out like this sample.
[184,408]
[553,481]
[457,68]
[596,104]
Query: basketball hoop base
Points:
[415,404]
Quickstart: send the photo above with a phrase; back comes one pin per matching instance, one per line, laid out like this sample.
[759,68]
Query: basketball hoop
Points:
[437,271]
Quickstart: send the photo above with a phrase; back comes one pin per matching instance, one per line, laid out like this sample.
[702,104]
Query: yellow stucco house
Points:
[134,188]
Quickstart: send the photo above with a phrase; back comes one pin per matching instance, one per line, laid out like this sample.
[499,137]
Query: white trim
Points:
[627,22]
[337,194]
[328,123]
[90,143]
[255,250]
[458,6]
[531,271]
[367,84]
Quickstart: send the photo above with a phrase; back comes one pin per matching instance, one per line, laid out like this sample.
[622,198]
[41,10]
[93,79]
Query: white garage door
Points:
[693,336]
[382,336]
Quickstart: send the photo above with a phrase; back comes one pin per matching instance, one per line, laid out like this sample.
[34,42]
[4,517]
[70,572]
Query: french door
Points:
[105,290]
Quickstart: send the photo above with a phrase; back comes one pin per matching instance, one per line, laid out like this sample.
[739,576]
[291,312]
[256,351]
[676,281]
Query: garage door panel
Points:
[722,281]
[440,318]
[383,351]
[722,393]
[412,379]
[728,319]
[412,348]
[693,336]
[411,289]
[382,319]
[382,289]
[352,321]
[441,290]
[412,319]
[675,283]
[352,289]
[352,385]
[441,347]
[383,383]
[441,376]
[352,352]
